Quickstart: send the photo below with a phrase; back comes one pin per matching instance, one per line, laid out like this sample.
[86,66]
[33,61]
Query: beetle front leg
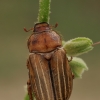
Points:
[27,63]
[29,88]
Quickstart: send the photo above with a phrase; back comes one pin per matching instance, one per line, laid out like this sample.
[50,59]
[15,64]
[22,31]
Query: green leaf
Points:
[78,66]
[78,46]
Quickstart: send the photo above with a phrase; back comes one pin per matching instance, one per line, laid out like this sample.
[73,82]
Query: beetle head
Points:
[41,27]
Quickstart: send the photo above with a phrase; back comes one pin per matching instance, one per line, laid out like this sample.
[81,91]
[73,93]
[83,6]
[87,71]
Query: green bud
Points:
[63,42]
[78,46]
[78,66]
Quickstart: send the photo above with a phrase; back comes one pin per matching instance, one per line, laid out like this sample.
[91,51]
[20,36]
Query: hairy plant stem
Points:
[44,11]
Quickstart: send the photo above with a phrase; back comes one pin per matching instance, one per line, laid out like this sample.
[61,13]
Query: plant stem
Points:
[95,43]
[44,11]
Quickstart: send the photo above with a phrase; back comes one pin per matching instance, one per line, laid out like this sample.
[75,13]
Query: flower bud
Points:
[78,46]
[78,66]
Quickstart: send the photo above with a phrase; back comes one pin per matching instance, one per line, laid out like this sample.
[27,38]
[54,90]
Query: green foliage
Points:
[44,10]
[78,66]
[63,42]
[26,97]
[78,46]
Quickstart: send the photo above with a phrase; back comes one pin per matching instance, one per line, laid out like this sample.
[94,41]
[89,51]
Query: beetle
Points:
[50,76]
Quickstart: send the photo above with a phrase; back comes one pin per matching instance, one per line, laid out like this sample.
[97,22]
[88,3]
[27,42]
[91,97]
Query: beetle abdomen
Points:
[62,75]
[44,41]
[40,77]
[50,79]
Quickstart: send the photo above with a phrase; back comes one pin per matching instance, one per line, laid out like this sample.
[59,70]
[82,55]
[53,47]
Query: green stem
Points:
[44,11]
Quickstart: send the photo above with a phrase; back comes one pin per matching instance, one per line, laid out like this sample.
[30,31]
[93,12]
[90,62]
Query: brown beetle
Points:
[50,77]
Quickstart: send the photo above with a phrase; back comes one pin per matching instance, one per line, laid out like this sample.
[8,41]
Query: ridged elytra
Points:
[50,76]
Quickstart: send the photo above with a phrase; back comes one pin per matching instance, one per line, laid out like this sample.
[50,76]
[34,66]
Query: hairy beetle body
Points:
[49,72]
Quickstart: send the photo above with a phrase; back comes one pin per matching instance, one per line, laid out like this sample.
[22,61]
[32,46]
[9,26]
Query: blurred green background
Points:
[76,18]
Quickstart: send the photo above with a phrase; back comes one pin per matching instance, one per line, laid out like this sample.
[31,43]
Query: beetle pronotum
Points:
[50,77]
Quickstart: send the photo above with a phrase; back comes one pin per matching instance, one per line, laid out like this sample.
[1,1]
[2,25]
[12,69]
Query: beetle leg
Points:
[27,63]
[73,76]
[70,59]
[29,88]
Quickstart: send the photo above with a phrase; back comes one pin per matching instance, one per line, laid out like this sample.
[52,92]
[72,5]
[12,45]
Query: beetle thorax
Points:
[41,27]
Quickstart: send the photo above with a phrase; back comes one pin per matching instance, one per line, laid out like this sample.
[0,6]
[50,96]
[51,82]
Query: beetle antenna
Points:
[54,26]
[28,30]
[95,43]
